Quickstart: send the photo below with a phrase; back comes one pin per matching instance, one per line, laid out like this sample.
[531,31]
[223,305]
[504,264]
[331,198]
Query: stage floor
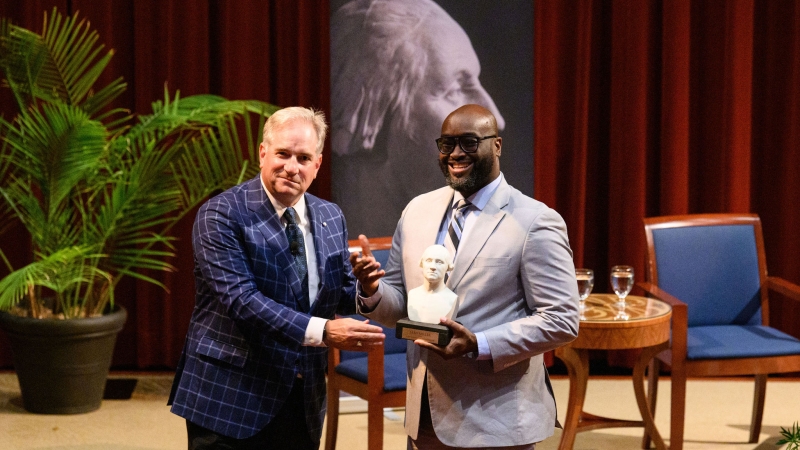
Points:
[717,417]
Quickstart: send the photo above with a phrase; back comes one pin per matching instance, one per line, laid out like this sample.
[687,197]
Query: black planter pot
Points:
[62,365]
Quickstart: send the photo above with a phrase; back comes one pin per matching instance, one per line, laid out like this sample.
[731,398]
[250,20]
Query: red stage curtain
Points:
[642,108]
[647,108]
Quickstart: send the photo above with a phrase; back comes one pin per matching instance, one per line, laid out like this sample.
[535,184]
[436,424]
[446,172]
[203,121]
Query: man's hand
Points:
[366,268]
[352,334]
[463,341]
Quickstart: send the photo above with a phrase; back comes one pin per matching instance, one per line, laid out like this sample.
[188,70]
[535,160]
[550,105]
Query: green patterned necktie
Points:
[297,246]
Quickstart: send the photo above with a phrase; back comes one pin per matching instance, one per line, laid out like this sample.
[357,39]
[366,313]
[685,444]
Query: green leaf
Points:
[56,147]
[791,436]
[61,64]
[60,272]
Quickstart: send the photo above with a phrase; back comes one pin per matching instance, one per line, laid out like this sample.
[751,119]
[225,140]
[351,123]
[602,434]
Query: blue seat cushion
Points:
[394,370]
[735,341]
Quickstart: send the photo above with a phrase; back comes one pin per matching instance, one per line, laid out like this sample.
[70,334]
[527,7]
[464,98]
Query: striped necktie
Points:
[456,228]
[297,246]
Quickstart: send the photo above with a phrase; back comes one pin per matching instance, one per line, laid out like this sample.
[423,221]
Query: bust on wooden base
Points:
[431,301]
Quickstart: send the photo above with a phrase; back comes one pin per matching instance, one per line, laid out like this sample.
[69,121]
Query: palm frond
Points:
[66,269]
[48,232]
[791,436]
[207,131]
[21,58]
[7,171]
[61,64]
[56,148]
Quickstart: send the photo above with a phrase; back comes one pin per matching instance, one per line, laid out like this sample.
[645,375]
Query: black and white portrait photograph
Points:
[397,69]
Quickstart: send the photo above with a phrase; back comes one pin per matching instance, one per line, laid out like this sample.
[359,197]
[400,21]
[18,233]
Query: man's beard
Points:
[478,177]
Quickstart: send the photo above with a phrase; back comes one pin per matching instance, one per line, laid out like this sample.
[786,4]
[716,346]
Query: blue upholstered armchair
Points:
[378,376]
[712,269]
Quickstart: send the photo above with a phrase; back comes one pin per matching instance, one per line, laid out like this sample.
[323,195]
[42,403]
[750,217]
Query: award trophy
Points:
[431,301]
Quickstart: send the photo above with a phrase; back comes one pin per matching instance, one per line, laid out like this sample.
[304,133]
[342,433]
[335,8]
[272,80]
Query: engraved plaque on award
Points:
[432,332]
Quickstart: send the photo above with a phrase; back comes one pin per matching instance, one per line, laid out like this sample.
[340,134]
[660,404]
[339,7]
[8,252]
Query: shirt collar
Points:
[299,207]
[481,198]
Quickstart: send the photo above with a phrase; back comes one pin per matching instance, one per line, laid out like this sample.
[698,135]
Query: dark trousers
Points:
[286,431]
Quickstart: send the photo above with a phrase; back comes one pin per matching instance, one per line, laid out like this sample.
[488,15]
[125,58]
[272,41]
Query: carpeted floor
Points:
[717,417]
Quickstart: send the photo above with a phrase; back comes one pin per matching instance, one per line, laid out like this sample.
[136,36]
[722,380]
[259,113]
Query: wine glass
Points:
[622,283]
[585,285]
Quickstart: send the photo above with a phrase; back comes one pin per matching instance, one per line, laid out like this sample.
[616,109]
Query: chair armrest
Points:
[784,287]
[680,320]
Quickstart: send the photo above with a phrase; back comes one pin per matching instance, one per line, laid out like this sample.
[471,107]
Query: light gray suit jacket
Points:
[515,281]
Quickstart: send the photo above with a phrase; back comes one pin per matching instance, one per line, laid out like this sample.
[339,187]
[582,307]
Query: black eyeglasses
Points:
[469,144]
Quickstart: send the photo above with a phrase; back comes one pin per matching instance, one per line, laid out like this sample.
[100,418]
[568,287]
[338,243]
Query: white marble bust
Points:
[433,300]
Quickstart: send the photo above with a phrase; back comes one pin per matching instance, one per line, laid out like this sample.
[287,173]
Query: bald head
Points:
[475,116]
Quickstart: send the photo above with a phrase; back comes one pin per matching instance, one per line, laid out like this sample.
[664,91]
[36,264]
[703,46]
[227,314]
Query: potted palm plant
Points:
[98,189]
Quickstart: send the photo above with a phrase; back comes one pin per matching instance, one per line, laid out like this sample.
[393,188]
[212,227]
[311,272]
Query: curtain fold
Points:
[671,168]
[631,122]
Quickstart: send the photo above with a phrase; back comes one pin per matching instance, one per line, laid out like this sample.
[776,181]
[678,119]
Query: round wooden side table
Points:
[648,328]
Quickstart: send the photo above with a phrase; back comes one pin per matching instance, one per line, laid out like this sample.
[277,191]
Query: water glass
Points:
[622,283]
[585,284]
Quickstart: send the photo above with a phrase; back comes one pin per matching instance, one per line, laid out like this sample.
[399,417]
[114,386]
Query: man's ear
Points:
[262,151]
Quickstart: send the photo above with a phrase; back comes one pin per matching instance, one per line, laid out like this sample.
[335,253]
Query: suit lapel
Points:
[427,219]
[270,226]
[480,232]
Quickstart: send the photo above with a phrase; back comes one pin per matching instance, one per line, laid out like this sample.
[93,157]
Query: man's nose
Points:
[291,166]
[457,151]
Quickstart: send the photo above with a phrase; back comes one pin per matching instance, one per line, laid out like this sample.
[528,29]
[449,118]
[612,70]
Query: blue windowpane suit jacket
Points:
[244,349]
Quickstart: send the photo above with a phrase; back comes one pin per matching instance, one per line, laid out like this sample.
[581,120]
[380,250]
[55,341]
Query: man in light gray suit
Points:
[517,298]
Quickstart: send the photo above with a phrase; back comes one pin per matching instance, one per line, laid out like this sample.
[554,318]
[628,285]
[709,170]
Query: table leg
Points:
[648,353]
[577,362]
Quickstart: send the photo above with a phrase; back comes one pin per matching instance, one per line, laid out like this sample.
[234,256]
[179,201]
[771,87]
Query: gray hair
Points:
[376,64]
[281,117]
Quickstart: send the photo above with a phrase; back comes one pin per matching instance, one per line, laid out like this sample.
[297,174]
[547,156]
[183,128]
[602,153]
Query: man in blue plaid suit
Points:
[271,271]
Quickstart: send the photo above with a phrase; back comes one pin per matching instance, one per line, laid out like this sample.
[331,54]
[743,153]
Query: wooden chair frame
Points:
[675,356]
[372,391]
